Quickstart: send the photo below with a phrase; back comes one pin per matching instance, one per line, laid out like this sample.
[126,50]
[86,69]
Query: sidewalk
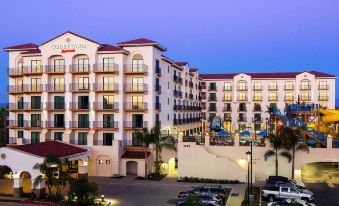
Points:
[236,200]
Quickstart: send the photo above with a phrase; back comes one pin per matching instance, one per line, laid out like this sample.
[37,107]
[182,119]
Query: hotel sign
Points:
[68,47]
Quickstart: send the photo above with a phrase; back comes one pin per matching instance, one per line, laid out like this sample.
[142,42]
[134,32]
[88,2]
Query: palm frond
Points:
[38,180]
[268,154]
[302,147]
[287,155]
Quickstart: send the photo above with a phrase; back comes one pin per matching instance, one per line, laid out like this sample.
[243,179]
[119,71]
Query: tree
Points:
[291,139]
[271,109]
[51,165]
[3,126]
[160,142]
[277,144]
[83,190]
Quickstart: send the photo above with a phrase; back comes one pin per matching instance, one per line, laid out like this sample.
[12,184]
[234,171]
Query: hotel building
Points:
[99,96]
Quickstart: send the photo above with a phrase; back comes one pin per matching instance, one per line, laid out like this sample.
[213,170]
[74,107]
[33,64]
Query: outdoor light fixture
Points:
[248,153]
[102,198]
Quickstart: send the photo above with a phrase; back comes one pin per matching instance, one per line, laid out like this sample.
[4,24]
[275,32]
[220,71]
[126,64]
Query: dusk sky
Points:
[216,36]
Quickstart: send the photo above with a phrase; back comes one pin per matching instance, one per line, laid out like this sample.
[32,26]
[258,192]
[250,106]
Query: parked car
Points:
[289,201]
[206,200]
[183,194]
[274,179]
[273,193]
[283,184]
[216,190]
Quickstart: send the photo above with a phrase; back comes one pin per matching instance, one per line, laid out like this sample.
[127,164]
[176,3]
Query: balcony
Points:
[257,119]
[135,107]
[323,87]
[106,125]
[135,88]
[203,86]
[305,87]
[178,107]
[203,107]
[32,124]
[136,69]
[158,71]
[323,98]
[177,93]
[272,98]
[33,106]
[15,89]
[55,69]
[257,98]
[157,106]
[288,98]
[54,125]
[212,88]
[226,109]
[97,142]
[55,88]
[227,119]
[80,68]
[242,109]
[257,88]
[242,119]
[305,98]
[79,125]
[103,106]
[135,125]
[257,109]
[157,89]
[242,88]
[33,70]
[227,89]
[242,98]
[203,97]
[212,98]
[101,87]
[55,106]
[19,106]
[177,121]
[29,88]
[273,88]
[75,87]
[190,84]
[15,124]
[177,79]
[190,96]
[288,88]
[77,106]
[212,109]
[111,68]
[15,72]
[227,99]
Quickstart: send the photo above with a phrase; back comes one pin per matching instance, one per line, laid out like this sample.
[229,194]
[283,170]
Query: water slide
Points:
[327,116]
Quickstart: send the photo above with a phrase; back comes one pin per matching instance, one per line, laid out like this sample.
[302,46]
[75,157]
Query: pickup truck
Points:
[273,193]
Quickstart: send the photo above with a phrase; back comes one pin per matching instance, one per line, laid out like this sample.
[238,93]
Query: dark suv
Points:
[217,190]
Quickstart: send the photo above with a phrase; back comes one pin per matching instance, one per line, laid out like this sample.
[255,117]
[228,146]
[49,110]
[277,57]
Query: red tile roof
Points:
[69,32]
[21,47]
[181,63]
[142,41]
[193,70]
[135,155]
[56,148]
[33,51]
[109,47]
[264,75]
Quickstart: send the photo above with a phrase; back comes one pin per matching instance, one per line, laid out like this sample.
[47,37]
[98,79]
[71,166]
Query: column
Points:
[39,189]
[82,167]
[17,186]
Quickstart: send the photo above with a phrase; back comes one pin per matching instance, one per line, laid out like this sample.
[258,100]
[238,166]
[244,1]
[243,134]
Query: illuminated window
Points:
[323,85]
[257,96]
[108,162]
[242,85]
[305,85]
[227,86]
[272,96]
[273,86]
[289,85]
[257,86]
[323,96]
[242,96]
[288,96]
[228,96]
[305,96]
[101,162]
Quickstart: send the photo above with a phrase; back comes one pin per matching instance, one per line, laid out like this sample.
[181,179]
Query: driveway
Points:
[130,192]
[323,194]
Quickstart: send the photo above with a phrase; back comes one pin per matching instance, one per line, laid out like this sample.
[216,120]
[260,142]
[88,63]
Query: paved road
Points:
[130,192]
[324,195]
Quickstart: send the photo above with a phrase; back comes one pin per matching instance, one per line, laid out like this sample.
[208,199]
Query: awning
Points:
[245,133]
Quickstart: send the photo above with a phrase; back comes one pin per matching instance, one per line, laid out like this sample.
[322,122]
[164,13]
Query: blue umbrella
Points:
[245,133]
[311,142]
[224,134]
[262,133]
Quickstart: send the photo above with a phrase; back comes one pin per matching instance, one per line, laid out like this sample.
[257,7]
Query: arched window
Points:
[137,63]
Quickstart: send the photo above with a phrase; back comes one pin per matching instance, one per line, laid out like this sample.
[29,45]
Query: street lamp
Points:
[249,154]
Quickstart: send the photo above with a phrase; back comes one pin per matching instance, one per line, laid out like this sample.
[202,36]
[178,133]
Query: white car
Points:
[289,201]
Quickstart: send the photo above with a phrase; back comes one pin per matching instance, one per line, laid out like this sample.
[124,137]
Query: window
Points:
[20,103]
[83,102]
[59,84]
[108,83]
[323,96]
[242,85]
[20,118]
[257,117]
[137,84]
[137,121]
[59,102]
[83,120]
[108,64]
[242,96]
[323,85]
[108,162]
[35,102]
[107,138]
[108,102]
[257,86]
[82,138]
[305,96]
[35,84]
[284,189]
[137,63]
[59,65]
[212,107]
[292,190]
[83,83]
[257,107]
[272,86]
[137,139]
[227,107]
[227,86]
[36,66]
[242,107]
[101,162]
[212,97]
[213,86]
[108,120]
[35,137]
[58,136]
[211,116]
[83,65]
[257,127]
[289,96]
[59,121]
[289,85]
[227,96]
[137,102]
[272,96]
[35,120]
[257,96]
[20,134]
[305,85]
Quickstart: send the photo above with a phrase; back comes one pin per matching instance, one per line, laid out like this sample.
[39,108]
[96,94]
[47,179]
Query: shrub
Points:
[207,180]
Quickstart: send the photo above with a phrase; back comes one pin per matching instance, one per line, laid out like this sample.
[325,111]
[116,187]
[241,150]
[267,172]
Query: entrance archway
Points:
[104,166]
[131,168]
[172,167]
[6,180]
[319,172]
[26,182]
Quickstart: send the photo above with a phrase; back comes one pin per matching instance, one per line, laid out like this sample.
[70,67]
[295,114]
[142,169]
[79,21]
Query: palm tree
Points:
[291,139]
[277,144]
[160,142]
[3,126]
[271,111]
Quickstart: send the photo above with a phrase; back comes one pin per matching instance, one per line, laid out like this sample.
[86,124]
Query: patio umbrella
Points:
[245,133]
[262,133]
[224,134]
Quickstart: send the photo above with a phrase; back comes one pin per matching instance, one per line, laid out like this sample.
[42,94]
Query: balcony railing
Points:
[177,93]
[157,88]
[33,124]
[106,106]
[227,98]
[105,124]
[257,119]
[272,98]
[55,87]
[15,88]
[211,98]
[55,105]
[242,119]
[323,87]
[242,109]
[135,88]
[157,106]
[257,98]
[97,142]
[242,98]
[212,88]
[226,109]
[33,70]
[75,87]
[135,124]
[323,98]
[305,87]
[16,106]
[33,88]
[158,71]
[106,68]
[213,109]
[242,88]
[257,109]
[288,88]
[51,69]
[76,124]
[33,106]
[177,79]
[289,98]
[54,124]
[15,123]
[111,87]
[79,106]
[136,69]
[305,98]
[257,88]
[80,68]
[135,106]
[273,88]
[15,71]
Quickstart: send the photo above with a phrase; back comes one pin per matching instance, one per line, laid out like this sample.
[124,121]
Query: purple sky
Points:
[215,36]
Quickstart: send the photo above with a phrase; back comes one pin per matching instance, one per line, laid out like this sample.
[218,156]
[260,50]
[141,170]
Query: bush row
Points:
[207,180]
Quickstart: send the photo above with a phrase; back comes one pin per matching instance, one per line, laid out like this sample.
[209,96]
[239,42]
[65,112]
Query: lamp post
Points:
[249,154]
